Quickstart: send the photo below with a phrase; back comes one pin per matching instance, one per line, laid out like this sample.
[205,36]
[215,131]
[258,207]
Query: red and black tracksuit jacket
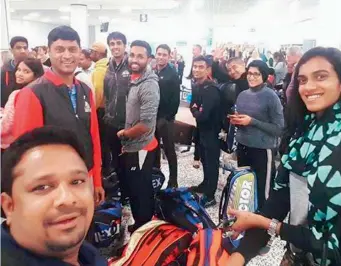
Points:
[46,102]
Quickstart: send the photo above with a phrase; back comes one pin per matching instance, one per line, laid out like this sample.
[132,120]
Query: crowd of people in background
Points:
[120,103]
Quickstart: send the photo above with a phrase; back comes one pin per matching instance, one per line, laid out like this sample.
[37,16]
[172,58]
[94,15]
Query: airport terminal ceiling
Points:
[51,11]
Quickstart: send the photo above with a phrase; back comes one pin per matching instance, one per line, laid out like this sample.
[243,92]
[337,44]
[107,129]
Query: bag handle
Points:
[337,255]
[199,213]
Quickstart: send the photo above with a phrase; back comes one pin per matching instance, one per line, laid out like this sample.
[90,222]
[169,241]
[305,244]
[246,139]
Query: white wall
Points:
[35,32]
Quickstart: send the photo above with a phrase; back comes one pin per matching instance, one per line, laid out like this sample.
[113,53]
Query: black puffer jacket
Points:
[116,87]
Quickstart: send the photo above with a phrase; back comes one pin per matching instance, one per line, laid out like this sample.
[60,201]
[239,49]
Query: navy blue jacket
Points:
[13,255]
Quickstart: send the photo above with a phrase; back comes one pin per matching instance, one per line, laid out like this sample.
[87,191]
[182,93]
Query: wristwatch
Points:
[272,228]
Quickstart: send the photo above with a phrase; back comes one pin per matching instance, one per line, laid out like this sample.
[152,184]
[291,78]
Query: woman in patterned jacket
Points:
[308,181]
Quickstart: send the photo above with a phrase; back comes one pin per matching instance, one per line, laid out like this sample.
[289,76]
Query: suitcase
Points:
[183,133]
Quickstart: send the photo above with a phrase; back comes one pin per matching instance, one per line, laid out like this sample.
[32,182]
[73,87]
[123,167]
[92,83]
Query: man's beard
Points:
[62,247]
[141,69]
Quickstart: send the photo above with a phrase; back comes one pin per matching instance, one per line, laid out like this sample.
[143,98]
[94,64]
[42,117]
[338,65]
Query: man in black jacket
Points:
[169,103]
[207,113]
[116,86]
[19,49]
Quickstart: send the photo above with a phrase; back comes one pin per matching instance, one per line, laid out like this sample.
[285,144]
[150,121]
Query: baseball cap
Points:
[99,47]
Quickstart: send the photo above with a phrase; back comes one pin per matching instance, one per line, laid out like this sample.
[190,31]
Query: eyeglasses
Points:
[255,75]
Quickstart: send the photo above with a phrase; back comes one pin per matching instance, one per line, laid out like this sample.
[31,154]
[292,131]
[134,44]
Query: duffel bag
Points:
[207,249]
[181,207]
[155,243]
[106,229]
[158,178]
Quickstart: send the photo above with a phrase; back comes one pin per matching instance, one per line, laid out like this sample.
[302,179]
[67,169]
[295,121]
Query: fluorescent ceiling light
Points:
[64,17]
[65,9]
[103,19]
[11,10]
[45,20]
[125,9]
[33,14]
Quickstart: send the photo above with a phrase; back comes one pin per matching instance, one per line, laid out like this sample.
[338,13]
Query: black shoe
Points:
[198,189]
[207,202]
[132,228]
[172,184]
[125,201]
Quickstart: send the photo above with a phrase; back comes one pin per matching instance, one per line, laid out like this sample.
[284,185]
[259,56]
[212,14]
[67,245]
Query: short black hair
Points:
[262,68]
[16,39]
[199,46]
[143,44]
[116,35]
[165,47]
[65,33]
[86,53]
[203,58]
[35,138]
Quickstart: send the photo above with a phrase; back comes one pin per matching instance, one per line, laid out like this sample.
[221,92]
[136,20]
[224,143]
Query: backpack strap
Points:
[78,72]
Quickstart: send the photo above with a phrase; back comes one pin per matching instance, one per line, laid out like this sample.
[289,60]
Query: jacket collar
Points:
[113,66]
[147,74]
[206,83]
[56,80]
[162,70]
[88,255]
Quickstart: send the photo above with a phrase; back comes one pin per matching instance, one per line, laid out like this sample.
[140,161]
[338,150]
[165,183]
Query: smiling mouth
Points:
[313,97]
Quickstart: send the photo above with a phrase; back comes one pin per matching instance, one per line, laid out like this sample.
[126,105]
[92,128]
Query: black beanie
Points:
[262,67]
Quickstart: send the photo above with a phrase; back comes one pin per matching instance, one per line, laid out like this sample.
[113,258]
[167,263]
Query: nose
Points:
[67,54]
[310,85]
[65,196]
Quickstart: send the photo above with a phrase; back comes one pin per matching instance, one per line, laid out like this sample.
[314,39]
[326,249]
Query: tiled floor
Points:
[188,176]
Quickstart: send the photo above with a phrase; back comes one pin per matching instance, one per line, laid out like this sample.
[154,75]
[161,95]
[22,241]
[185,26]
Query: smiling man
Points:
[169,104]
[205,108]
[48,201]
[59,99]
[116,84]
[138,141]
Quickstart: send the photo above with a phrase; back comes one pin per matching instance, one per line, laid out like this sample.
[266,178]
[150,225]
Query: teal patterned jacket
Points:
[316,155]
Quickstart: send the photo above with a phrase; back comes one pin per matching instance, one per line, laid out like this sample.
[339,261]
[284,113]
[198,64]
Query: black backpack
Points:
[228,93]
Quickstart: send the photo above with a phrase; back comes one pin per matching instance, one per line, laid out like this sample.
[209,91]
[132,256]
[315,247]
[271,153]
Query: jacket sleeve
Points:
[209,100]
[28,113]
[149,96]
[218,73]
[276,125]
[175,100]
[7,119]
[96,145]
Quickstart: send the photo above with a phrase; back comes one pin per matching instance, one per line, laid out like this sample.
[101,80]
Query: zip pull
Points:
[77,116]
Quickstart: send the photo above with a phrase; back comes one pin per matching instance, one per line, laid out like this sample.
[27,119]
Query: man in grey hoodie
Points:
[138,141]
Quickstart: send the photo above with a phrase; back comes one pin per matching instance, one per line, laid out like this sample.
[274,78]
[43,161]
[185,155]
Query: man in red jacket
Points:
[59,99]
